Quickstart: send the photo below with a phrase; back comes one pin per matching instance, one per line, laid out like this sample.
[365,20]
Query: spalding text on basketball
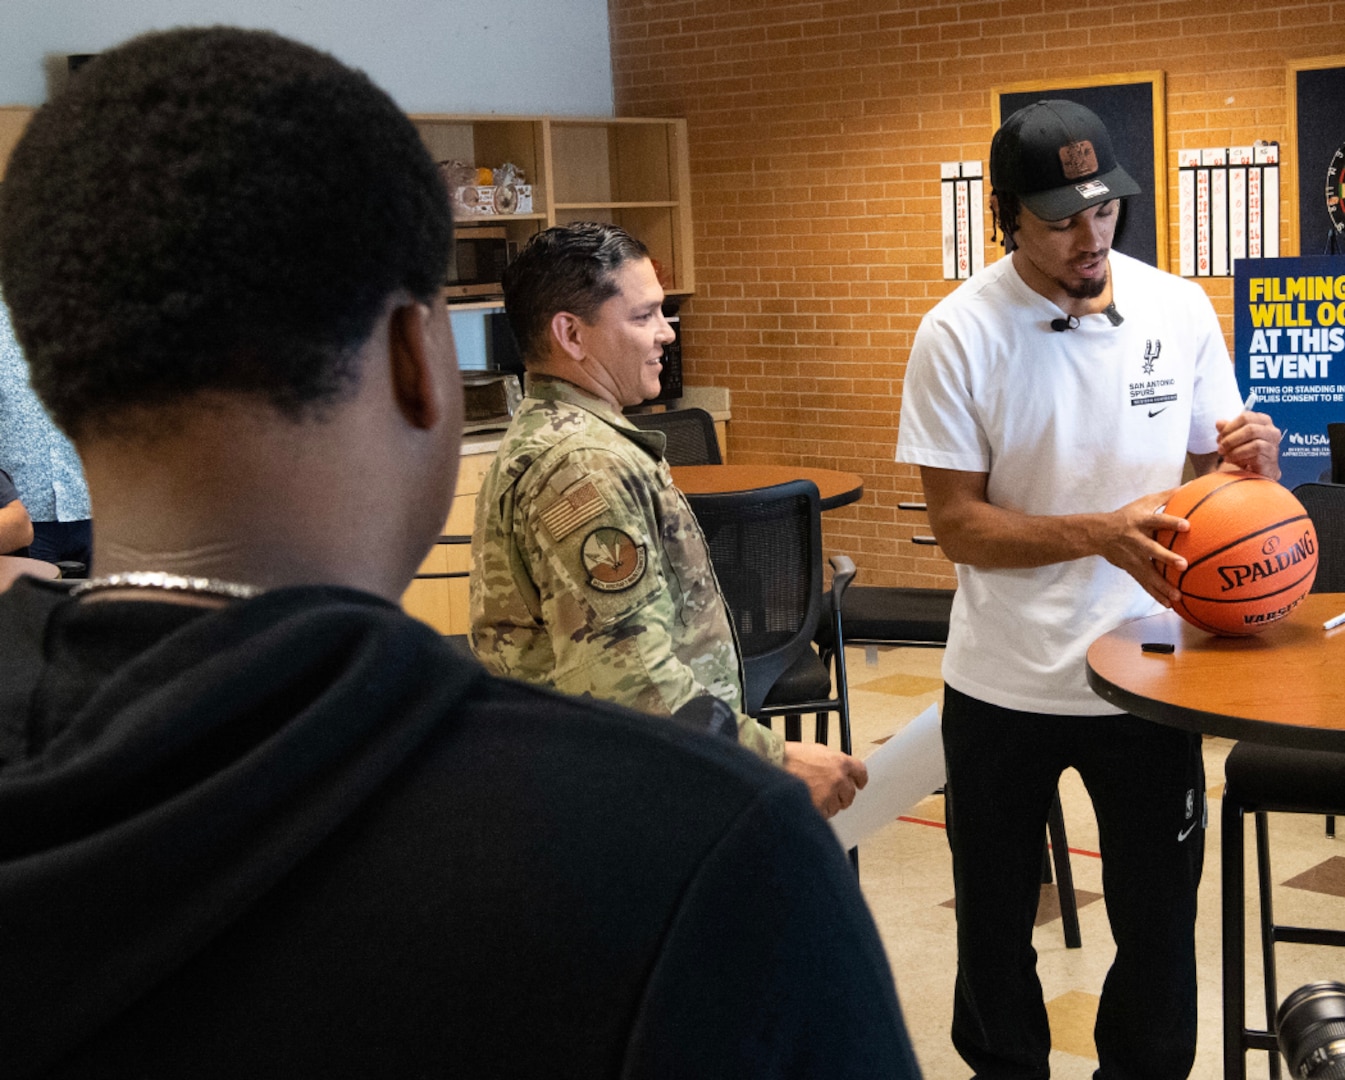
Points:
[1238,575]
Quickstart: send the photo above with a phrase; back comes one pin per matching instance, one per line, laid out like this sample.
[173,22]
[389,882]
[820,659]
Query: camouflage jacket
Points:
[589,571]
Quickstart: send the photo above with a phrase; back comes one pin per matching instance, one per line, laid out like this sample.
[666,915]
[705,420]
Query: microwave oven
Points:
[480,254]
[670,378]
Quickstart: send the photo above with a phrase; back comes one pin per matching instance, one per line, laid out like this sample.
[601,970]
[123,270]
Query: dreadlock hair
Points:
[1004,211]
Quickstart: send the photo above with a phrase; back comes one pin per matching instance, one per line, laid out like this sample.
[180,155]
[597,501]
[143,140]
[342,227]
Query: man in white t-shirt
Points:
[1051,403]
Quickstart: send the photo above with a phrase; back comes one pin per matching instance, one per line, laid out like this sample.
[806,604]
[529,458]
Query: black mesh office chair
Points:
[1325,504]
[690,432]
[1260,779]
[1335,434]
[766,549]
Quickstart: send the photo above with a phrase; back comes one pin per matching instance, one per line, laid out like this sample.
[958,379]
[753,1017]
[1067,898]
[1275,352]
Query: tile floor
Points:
[905,875]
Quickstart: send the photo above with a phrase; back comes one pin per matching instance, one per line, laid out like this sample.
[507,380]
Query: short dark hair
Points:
[213,209]
[565,268]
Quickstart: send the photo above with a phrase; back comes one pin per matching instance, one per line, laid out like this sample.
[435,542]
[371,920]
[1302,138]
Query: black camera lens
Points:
[1311,1026]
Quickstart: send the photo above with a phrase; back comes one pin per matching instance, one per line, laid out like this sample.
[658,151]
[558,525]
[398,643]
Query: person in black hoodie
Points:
[254,820]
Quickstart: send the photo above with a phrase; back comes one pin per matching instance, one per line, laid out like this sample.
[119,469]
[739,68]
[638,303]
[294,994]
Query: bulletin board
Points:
[1132,107]
[1316,89]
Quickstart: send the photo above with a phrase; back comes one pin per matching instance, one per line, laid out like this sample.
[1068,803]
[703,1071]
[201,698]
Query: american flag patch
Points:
[581,503]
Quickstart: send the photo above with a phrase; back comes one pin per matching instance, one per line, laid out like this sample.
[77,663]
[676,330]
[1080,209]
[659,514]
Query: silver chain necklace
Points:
[156,579]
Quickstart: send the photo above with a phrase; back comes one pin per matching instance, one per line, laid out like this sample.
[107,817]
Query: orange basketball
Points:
[1251,552]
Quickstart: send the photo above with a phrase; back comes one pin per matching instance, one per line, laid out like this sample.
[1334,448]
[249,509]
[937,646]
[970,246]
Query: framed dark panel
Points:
[1316,92]
[1132,107]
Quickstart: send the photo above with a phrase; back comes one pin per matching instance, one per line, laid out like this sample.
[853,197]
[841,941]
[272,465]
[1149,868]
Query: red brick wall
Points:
[816,132]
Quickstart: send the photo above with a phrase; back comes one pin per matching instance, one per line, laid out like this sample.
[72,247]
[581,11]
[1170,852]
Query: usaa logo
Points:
[1308,440]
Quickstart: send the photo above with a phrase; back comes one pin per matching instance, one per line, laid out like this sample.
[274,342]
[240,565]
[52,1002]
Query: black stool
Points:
[1261,779]
[881,615]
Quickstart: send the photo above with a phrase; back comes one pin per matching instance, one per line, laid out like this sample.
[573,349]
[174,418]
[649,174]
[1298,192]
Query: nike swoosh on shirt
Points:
[1155,412]
[1185,832]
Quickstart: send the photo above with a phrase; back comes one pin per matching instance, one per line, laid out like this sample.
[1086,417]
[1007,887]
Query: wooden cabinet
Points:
[439,593]
[13,119]
[633,172]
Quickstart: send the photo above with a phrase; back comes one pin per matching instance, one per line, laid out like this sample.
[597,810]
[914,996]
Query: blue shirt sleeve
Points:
[43,463]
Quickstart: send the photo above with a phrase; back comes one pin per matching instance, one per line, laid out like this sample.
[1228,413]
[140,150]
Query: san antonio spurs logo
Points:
[613,560]
[1153,348]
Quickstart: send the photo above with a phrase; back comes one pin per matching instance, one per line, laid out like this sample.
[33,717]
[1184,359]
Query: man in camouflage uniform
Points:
[590,573]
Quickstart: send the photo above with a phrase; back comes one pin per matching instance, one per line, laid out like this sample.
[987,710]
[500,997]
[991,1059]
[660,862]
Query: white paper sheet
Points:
[902,771]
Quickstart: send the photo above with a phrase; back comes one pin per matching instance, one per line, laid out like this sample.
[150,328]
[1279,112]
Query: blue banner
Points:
[1289,346]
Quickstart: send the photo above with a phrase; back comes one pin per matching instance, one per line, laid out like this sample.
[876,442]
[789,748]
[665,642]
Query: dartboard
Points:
[1335,189]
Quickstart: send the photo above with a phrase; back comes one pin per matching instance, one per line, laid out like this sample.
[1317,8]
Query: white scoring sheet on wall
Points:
[1228,207]
[962,190]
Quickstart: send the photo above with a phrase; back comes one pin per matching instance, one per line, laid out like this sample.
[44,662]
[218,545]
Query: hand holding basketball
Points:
[1130,545]
[1250,552]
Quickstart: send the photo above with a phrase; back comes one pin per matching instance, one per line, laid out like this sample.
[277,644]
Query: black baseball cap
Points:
[1057,157]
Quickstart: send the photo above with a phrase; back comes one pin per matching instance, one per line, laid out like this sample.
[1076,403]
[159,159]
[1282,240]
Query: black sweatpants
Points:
[1147,784]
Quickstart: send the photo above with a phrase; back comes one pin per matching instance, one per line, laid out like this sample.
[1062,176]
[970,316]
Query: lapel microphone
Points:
[1071,323]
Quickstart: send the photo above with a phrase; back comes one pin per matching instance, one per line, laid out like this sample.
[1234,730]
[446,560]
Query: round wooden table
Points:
[834,488]
[14,566]
[1285,685]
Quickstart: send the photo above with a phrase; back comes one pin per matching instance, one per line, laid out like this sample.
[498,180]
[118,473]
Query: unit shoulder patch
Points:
[613,560]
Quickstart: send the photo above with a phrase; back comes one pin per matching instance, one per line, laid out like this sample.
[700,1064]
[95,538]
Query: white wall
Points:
[467,56]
